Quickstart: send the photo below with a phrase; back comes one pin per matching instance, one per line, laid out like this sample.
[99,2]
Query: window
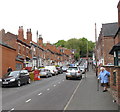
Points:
[19,48]
[114,78]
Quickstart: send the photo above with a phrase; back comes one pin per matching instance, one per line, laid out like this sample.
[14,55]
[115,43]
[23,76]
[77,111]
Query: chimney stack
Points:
[20,33]
[40,40]
[29,35]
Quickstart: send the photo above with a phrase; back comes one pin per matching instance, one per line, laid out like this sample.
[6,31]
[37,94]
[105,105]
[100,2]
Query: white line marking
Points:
[63,80]
[11,110]
[54,85]
[59,82]
[40,94]
[48,89]
[28,100]
[72,95]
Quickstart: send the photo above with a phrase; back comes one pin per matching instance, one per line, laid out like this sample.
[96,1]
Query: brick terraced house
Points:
[18,52]
[105,43]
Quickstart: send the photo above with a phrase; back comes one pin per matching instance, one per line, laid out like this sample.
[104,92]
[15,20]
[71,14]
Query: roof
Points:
[6,45]
[115,48]
[109,29]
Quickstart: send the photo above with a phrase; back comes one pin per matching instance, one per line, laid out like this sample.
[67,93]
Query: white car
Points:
[52,69]
[73,72]
[45,73]
[82,69]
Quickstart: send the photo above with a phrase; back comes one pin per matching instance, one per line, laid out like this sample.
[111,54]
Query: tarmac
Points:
[89,97]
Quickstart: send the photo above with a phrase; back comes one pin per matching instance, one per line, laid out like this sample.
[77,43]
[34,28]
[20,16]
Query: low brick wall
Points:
[114,82]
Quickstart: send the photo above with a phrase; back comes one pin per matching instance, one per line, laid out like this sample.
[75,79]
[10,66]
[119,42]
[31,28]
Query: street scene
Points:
[57,93]
[47,68]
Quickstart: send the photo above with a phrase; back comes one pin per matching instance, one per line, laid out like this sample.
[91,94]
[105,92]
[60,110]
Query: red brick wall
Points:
[108,43]
[8,59]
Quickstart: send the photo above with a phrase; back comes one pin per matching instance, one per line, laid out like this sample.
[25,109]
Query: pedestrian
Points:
[103,76]
[9,69]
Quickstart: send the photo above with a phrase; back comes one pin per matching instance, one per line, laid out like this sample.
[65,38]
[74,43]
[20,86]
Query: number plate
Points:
[5,82]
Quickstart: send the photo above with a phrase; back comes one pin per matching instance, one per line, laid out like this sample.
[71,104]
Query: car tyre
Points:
[66,78]
[18,83]
[46,75]
[29,81]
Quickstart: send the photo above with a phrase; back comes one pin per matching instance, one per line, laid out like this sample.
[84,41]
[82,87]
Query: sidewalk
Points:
[88,98]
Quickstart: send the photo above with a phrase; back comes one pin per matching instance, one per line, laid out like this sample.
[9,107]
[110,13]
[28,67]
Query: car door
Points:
[22,77]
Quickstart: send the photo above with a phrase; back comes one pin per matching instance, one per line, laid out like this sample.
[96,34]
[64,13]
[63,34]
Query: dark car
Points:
[60,71]
[16,78]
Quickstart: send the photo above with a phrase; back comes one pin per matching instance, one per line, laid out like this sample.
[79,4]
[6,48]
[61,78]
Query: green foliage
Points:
[77,55]
[81,45]
[60,43]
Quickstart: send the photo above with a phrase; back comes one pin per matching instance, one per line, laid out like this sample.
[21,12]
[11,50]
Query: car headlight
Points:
[12,80]
[0,80]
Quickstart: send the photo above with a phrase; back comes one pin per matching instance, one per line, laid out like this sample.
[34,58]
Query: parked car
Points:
[82,69]
[16,78]
[60,71]
[73,72]
[52,69]
[64,68]
[45,73]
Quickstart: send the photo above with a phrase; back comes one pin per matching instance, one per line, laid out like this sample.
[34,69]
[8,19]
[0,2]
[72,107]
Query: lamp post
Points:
[96,49]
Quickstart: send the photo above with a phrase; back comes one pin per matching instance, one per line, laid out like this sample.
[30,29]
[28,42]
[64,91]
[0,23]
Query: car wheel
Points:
[18,83]
[29,81]
[46,75]
[66,78]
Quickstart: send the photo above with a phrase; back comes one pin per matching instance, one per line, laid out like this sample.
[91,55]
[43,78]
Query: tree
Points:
[60,43]
[81,45]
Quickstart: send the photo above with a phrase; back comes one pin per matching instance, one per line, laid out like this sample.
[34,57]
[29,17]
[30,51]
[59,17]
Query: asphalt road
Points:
[51,93]
[57,93]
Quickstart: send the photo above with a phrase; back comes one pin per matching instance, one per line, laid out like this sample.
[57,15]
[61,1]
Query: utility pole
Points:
[96,49]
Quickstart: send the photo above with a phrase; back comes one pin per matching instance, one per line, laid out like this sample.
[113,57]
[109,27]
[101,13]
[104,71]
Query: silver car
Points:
[73,72]
[82,69]
[45,73]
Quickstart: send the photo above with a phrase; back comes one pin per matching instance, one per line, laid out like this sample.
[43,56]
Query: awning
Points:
[115,48]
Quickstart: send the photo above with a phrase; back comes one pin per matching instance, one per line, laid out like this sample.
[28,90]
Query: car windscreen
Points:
[14,74]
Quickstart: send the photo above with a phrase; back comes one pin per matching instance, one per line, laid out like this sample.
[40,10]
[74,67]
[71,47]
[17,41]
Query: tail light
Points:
[78,71]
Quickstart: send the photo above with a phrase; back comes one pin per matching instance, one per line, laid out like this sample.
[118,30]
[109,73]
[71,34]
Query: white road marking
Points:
[11,109]
[54,85]
[72,96]
[63,80]
[48,89]
[40,94]
[28,100]
[59,82]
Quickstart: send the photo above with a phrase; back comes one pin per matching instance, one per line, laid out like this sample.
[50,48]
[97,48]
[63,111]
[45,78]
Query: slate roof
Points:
[109,29]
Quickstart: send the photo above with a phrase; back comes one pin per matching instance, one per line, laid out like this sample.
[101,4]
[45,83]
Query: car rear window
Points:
[72,68]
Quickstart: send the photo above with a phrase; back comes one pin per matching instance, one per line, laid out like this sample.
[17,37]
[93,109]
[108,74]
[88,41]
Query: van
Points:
[52,69]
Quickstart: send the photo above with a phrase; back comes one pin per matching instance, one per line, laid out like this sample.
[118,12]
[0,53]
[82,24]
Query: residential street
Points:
[57,93]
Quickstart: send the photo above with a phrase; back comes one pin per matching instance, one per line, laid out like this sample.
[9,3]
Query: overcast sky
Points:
[57,19]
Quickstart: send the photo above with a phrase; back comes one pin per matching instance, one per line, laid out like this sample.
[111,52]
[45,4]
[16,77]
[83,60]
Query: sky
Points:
[58,19]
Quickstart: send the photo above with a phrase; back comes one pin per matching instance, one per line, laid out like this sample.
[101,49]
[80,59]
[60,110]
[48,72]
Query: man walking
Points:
[9,69]
[103,76]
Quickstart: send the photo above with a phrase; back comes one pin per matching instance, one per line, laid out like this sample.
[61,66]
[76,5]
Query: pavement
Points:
[87,97]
